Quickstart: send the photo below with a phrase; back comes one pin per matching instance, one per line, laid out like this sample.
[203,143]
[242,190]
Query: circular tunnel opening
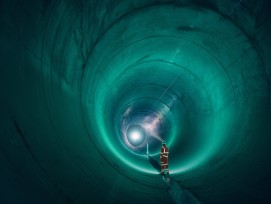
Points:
[176,78]
[97,85]
[155,75]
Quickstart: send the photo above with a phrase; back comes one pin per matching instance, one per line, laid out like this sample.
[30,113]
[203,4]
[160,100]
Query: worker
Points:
[164,157]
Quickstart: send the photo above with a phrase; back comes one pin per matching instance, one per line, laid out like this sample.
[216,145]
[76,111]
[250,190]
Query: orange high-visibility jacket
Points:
[164,154]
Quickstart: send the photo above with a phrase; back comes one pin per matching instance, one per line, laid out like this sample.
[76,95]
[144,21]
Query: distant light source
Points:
[136,135]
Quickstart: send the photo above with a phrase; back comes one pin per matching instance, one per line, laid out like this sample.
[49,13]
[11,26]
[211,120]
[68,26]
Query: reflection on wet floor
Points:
[178,194]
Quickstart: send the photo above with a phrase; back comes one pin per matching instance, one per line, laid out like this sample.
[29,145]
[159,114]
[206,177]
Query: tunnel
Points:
[90,89]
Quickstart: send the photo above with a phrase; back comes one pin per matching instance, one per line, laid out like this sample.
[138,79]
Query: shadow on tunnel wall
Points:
[156,165]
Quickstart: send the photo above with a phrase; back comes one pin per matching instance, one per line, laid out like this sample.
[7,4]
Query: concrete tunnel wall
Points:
[76,74]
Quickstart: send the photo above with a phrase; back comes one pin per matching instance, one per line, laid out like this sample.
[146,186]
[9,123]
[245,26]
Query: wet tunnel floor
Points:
[178,194]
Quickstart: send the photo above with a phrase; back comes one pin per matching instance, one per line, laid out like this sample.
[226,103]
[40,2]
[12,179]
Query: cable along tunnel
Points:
[90,88]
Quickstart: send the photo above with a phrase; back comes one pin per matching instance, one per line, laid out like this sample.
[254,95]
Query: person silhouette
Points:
[164,158]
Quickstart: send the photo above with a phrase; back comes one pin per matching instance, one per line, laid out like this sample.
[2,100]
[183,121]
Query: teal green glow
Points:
[190,81]
[76,74]
[108,138]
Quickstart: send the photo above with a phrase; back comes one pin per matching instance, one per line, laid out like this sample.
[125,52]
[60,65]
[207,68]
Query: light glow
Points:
[136,136]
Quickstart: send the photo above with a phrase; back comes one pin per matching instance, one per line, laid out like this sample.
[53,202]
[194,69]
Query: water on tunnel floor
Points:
[90,89]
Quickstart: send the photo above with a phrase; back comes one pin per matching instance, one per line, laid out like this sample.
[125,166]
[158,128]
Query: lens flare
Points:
[136,136]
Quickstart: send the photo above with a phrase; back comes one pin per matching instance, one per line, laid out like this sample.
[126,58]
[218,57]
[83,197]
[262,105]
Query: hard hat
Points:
[163,142]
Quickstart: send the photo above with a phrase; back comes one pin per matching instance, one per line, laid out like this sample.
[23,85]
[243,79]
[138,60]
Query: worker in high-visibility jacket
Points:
[164,157]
